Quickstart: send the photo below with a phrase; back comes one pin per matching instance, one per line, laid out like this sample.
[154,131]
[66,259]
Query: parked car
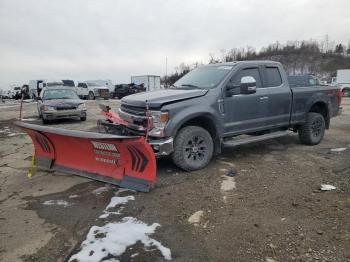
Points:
[19,91]
[128,89]
[92,90]
[57,102]
[16,93]
[303,81]
[213,106]
[343,81]
[106,83]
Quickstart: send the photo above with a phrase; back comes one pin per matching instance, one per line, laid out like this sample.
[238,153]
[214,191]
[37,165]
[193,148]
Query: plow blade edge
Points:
[127,161]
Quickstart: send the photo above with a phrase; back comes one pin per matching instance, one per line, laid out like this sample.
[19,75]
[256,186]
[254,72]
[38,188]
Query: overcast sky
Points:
[114,39]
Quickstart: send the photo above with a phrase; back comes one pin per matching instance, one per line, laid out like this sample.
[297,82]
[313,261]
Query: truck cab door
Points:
[82,90]
[279,97]
[244,112]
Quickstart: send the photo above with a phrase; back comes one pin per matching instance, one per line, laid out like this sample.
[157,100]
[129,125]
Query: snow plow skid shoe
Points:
[126,161]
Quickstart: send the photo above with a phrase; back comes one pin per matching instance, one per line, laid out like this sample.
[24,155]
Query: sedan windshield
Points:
[59,94]
[58,83]
[205,77]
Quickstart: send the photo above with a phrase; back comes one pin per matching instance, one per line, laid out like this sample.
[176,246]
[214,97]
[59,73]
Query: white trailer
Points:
[343,81]
[150,82]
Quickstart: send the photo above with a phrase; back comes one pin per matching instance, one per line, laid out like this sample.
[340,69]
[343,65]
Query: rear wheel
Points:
[83,118]
[193,148]
[312,132]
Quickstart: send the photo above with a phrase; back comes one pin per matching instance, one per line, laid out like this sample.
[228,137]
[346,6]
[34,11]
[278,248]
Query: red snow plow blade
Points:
[126,161]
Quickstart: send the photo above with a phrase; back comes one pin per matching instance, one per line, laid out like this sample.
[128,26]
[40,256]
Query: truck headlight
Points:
[49,108]
[159,119]
[81,106]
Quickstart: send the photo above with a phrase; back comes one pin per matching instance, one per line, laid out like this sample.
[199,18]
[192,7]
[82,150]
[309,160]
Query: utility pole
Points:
[166,72]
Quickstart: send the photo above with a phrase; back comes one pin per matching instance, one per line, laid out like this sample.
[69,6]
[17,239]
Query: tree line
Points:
[321,58]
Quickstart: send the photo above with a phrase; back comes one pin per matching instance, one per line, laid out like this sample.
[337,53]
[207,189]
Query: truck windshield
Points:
[205,77]
[59,94]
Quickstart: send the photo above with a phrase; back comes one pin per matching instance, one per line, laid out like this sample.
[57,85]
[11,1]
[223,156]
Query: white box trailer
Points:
[343,81]
[150,82]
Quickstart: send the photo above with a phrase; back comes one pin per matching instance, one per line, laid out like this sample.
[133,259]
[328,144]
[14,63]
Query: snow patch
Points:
[226,163]
[29,119]
[73,196]
[340,149]
[325,187]
[228,184]
[112,239]
[56,202]
[134,255]
[196,218]
[119,201]
[101,190]
[115,201]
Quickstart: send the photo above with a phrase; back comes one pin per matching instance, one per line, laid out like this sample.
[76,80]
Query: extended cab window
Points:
[254,72]
[272,77]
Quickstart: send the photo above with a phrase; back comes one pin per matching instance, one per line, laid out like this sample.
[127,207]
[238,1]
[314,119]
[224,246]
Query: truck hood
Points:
[62,102]
[158,98]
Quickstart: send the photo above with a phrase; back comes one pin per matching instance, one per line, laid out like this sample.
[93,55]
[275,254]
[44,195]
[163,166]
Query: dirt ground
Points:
[272,210]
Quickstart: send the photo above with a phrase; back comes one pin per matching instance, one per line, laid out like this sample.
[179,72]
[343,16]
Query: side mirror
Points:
[232,89]
[248,85]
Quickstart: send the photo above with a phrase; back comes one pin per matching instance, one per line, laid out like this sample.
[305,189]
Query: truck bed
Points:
[304,98]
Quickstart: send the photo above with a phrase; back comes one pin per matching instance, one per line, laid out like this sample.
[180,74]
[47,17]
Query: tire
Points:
[346,92]
[45,121]
[193,148]
[91,96]
[312,131]
[83,118]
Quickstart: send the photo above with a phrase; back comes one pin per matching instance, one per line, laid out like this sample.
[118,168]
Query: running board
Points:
[253,139]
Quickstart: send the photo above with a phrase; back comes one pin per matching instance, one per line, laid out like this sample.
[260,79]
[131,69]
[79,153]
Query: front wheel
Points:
[91,96]
[312,131]
[193,148]
[83,118]
[346,92]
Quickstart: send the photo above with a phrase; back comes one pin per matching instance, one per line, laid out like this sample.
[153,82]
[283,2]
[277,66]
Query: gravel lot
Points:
[272,210]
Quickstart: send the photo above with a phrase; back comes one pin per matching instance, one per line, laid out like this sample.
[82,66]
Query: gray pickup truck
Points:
[228,104]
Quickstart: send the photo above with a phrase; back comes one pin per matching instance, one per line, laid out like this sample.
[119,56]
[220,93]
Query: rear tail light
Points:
[340,96]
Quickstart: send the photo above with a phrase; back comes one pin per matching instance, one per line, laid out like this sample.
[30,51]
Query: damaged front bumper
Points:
[160,146]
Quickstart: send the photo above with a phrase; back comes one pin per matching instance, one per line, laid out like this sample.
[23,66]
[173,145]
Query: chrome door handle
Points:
[263,98]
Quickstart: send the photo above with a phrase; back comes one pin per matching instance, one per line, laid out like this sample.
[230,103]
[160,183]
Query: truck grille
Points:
[138,111]
[66,107]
